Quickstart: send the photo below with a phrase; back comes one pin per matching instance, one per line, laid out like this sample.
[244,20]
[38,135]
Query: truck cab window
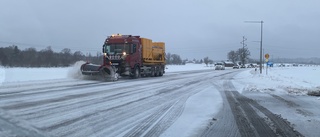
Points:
[106,48]
[134,48]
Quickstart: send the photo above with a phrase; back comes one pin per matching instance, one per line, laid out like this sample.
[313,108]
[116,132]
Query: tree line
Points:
[243,55]
[174,59]
[12,56]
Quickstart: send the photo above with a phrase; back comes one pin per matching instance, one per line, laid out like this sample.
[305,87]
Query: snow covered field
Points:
[291,80]
[284,91]
[291,83]
[9,75]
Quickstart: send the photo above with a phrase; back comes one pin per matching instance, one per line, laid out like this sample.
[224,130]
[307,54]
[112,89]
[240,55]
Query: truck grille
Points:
[115,57]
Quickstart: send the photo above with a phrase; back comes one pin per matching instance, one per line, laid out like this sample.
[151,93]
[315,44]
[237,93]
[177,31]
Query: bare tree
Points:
[29,57]
[168,58]
[78,55]
[206,60]
[65,57]
[233,56]
[176,59]
[243,54]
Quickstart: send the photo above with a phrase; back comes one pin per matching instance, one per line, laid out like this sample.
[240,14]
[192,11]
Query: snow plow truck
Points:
[127,55]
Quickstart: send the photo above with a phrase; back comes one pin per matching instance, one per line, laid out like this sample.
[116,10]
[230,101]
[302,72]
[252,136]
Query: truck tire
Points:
[161,72]
[152,73]
[136,72]
[156,74]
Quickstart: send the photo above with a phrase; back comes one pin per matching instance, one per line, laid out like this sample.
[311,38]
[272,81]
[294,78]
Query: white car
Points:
[219,66]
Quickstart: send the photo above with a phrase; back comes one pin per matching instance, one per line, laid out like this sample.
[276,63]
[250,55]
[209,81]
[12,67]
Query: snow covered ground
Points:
[25,79]
[291,81]
[284,91]
[9,75]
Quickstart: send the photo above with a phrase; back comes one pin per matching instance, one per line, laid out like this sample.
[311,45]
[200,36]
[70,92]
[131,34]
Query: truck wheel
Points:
[152,74]
[136,72]
[161,72]
[156,72]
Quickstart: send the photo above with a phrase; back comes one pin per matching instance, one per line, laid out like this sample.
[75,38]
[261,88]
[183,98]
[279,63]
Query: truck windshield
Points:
[116,48]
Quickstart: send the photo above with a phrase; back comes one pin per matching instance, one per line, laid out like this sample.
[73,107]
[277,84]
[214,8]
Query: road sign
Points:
[267,60]
[267,56]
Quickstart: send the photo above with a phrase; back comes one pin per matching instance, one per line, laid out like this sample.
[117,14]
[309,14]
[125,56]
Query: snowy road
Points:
[182,103]
[243,116]
[268,105]
[66,107]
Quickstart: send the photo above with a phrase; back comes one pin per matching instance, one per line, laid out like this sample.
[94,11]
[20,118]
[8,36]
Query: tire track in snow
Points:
[16,128]
[158,122]
[223,124]
[135,109]
[20,105]
[280,127]
[115,115]
[247,119]
[292,104]
[168,119]
[58,88]
[83,103]
[251,118]
[107,114]
[145,124]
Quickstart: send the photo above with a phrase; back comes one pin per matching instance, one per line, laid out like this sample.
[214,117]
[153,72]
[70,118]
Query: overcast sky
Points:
[190,28]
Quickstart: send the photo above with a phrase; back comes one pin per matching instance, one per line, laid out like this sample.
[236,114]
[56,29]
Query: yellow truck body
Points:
[152,52]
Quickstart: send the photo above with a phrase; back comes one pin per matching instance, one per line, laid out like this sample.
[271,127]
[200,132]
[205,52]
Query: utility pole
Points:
[261,24]
[243,52]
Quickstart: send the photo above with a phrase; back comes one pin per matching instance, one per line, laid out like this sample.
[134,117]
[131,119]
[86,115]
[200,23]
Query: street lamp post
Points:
[261,22]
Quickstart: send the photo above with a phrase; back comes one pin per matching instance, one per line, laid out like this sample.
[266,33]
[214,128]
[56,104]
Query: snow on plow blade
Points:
[99,71]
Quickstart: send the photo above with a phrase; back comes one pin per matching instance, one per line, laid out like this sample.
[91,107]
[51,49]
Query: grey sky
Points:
[190,28]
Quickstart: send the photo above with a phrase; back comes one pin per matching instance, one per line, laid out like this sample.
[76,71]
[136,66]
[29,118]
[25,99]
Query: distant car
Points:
[250,66]
[235,66]
[243,66]
[219,66]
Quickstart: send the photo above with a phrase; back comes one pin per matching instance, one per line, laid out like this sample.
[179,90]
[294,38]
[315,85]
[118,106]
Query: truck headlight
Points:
[124,55]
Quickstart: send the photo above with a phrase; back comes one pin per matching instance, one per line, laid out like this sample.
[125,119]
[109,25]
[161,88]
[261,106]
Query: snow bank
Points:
[199,110]
[31,74]
[2,75]
[20,74]
[292,80]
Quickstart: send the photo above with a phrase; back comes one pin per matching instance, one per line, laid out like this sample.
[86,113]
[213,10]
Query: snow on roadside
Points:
[9,75]
[292,80]
[2,75]
[199,109]
[20,74]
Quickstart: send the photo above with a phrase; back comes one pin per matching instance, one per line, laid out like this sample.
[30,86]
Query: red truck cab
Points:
[124,53]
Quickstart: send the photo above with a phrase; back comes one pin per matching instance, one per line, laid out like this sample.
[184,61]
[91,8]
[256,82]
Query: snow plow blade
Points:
[99,71]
